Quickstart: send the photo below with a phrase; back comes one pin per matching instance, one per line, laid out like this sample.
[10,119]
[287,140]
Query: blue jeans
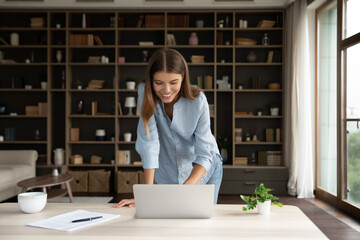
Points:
[216,178]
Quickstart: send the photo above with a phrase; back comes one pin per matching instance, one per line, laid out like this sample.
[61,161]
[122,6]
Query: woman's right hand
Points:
[125,202]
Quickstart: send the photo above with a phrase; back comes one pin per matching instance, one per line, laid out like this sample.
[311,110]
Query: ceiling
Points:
[146,4]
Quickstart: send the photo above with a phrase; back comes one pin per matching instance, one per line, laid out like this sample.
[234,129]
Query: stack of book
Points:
[154,21]
[205,82]
[269,158]
[178,20]
[36,22]
[273,134]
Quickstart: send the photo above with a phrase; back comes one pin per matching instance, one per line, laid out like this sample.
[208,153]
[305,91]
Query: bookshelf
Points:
[74,47]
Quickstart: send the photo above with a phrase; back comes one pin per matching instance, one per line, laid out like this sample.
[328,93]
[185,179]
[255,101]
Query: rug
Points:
[81,199]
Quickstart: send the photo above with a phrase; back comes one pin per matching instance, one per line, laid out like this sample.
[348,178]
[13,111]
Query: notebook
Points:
[174,201]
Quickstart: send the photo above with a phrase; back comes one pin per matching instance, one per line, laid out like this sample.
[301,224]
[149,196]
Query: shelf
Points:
[258,143]
[23,142]
[91,142]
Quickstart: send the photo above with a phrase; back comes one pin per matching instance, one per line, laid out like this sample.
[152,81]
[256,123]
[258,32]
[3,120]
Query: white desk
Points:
[228,222]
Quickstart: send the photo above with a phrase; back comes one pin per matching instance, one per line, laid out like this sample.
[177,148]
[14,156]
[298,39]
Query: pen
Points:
[86,219]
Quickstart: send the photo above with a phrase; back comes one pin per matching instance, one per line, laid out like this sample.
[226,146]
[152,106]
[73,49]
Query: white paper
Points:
[63,222]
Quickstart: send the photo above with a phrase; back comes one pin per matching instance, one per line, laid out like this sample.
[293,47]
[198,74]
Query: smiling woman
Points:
[174,138]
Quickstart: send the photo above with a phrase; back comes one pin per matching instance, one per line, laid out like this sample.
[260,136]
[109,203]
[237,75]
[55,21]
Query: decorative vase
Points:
[200,23]
[251,57]
[58,55]
[14,39]
[130,85]
[193,39]
[224,154]
[274,111]
[264,208]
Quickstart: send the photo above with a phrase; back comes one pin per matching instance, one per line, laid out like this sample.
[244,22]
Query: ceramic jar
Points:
[14,39]
[193,39]
[251,57]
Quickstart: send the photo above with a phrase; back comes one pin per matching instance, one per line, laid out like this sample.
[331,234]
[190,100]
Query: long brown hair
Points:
[169,61]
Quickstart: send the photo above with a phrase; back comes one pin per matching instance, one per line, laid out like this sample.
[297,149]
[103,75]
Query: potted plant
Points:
[130,83]
[259,111]
[261,198]
[247,137]
[274,109]
[220,23]
[78,84]
[241,85]
[223,144]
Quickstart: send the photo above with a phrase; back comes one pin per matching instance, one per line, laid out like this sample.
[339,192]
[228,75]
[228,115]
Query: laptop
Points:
[173,200]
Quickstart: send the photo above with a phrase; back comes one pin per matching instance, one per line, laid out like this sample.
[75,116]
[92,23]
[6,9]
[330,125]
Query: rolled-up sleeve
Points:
[148,147]
[202,136]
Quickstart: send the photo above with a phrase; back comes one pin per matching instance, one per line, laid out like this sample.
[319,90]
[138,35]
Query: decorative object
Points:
[199,23]
[124,157]
[37,135]
[96,84]
[197,59]
[58,56]
[274,109]
[76,159]
[259,197]
[80,106]
[274,86]
[43,85]
[83,21]
[193,39]
[245,41]
[265,39]
[94,159]
[145,55]
[63,79]
[14,39]
[59,156]
[243,23]
[100,134]
[32,202]
[238,134]
[58,25]
[251,57]
[223,144]
[130,103]
[247,137]
[130,83]
[78,84]
[259,111]
[266,24]
[1,138]
[121,59]
[127,137]
[220,23]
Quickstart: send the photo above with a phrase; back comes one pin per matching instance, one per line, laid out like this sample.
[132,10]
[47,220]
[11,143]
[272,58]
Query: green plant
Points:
[223,142]
[78,83]
[274,105]
[130,79]
[261,194]
[221,21]
[259,110]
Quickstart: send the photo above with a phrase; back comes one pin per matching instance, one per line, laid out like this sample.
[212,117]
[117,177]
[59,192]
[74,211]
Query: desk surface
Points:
[228,222]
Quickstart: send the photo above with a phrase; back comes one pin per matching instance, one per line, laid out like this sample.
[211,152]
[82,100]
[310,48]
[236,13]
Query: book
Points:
[2,40]
[94,108]
[120,110]
[270,56]
[63,222]
[98,40]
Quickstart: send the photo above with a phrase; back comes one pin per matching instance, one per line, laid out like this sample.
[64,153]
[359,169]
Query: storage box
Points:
[99,181]
[80,181]
[95,159]
[123,157]
[125,181]
[74,134]
[76,159]
[240,161]
[31,110]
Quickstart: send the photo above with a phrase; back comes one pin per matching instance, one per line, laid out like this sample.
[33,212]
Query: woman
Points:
[174,138]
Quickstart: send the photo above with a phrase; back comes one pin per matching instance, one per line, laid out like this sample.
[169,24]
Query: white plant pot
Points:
[130,85]
[264,208]
[274,111]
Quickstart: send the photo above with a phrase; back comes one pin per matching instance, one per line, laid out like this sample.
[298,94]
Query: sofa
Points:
[15,165]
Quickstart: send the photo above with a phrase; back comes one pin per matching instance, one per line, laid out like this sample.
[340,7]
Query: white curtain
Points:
[298,126]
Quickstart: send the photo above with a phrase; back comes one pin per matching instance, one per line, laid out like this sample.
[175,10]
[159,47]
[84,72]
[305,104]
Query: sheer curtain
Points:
[298,105]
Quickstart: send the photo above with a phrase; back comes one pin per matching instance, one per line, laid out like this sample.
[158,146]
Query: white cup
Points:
[44,85]
[1,138]
[127,137]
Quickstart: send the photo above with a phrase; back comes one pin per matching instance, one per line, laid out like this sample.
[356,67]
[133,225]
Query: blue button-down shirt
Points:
[173,147]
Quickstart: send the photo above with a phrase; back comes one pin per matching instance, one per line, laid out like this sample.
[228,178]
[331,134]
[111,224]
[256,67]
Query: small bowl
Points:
[32,202]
